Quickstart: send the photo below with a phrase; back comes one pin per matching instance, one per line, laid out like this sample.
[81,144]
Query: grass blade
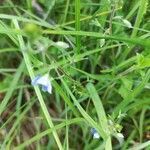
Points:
[37,90]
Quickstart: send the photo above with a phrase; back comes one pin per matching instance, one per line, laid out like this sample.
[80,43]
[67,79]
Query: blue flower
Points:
[44,82]
[95,133]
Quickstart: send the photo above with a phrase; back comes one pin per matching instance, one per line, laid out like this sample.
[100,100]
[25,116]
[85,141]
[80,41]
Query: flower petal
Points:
[127,23]
[62,44]
[44,82]
[47,88]
[44,88]
[34,81]
[102,42]
[95,133]
[120,137]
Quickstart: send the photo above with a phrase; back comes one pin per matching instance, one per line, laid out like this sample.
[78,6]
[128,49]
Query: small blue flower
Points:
[95,133]
[44,82]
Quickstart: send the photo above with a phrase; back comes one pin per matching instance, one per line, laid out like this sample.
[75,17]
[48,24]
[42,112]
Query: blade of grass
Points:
[37,90]
[12,86]
[121,107]
[10,49]
[139,18]
[65,98]
[121,65]
[100,112]
[15,88]
[145,42]
[142,10]
[132,135]
[29,5]
[4,27]
[138,104]
[66,143]
[141,146]
[26,20]
[105,7]
[87,18]
[98,106]
[83,112]
[74,58]
[77,24]
[44,133]
[19,101]
[7,70]
[17,122]
[66,11]
[141,123]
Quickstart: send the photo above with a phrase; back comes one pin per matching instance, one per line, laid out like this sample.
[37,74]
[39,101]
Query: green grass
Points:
[105,87]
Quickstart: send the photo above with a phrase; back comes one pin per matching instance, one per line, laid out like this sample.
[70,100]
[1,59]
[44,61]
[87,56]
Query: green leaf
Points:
[100,112]
[126,87]
[143,62]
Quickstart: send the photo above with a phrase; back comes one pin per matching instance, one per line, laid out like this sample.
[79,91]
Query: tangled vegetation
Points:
[74,75]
